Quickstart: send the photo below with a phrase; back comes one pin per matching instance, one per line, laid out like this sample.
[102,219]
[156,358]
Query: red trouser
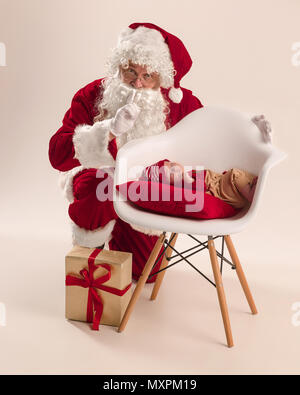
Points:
[90,213]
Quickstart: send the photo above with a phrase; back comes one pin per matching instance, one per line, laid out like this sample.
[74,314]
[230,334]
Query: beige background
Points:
[242,59]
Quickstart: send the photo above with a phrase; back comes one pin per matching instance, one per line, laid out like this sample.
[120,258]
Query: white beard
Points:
[151,120]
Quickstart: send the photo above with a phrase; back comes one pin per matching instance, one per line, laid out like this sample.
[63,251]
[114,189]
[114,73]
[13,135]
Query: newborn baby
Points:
[234,186]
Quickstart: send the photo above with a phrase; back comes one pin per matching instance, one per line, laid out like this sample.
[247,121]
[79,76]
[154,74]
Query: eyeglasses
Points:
[131,74]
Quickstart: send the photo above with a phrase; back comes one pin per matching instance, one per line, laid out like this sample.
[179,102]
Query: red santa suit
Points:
[95,222]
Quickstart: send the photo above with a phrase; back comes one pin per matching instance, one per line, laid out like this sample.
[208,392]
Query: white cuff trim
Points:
[66,181]
[92,238]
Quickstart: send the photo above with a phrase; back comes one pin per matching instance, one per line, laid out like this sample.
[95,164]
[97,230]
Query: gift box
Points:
[98,285]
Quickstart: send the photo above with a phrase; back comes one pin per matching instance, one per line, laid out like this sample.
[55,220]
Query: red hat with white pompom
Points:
[148,45]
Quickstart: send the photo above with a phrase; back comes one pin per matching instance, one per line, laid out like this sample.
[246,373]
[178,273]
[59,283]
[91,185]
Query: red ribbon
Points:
[88,281]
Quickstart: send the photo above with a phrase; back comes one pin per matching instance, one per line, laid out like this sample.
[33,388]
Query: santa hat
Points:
[149,45]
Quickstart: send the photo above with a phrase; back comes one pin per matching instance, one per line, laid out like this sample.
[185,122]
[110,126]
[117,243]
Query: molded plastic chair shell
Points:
[214,137]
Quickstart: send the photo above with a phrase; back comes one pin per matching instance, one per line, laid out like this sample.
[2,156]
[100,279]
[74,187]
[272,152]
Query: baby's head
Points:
[175,172]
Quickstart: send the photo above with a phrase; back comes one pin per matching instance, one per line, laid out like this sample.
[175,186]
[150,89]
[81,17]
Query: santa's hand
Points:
[124,119]
[264,126]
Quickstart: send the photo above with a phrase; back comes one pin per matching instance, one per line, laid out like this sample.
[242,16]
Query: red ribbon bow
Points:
[88,281]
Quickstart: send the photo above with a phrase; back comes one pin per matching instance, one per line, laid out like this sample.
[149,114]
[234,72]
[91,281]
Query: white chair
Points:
[216,138]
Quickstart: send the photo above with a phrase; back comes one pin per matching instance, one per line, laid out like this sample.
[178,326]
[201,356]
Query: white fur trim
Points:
[175,94]
[66,181]
[147,47]
[92,238]
[150,232]
[91,144]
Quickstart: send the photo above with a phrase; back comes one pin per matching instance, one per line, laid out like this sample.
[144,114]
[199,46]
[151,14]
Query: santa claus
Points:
[141,96]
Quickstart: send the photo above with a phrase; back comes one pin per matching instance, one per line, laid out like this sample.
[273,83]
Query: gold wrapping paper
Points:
[114,306]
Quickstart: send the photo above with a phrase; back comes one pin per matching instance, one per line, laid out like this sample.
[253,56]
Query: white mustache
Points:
[137,96]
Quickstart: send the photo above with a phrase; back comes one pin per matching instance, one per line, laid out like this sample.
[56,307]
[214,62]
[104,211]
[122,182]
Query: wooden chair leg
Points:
[142,280]
[240,273]
[220,291]
[164,263]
